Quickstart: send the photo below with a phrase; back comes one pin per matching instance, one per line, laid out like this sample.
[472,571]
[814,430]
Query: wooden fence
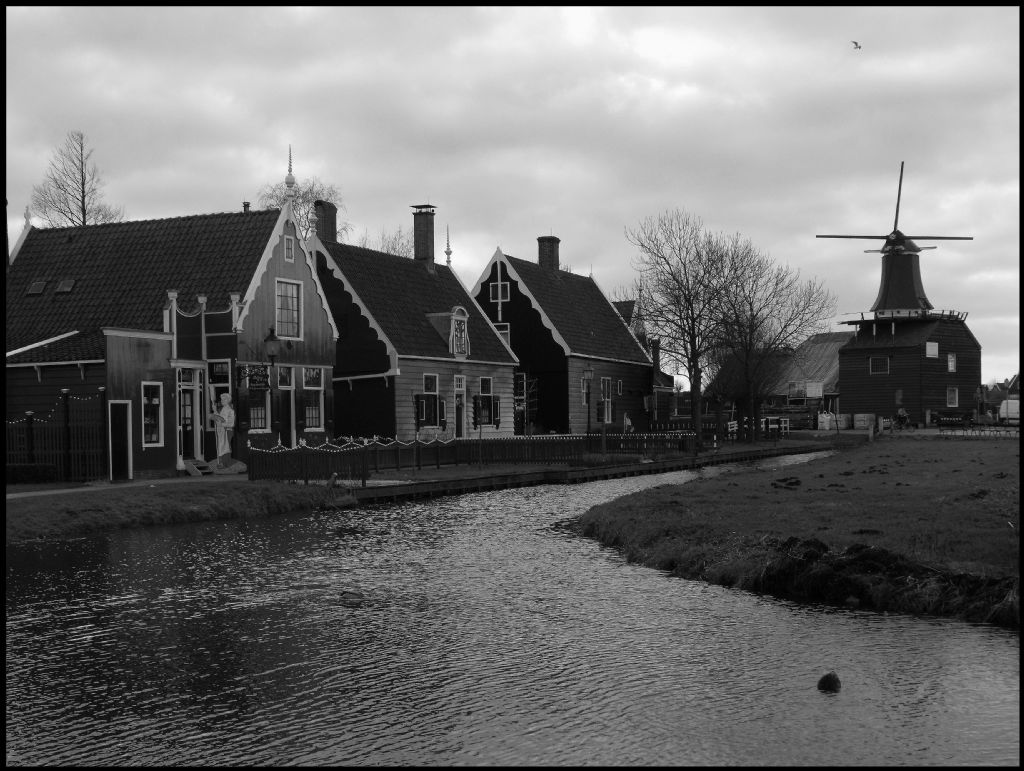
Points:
[66,444]
[358,460]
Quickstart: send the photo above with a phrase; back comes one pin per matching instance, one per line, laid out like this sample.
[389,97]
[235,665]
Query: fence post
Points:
[30,445]
[65,394]
[104,459]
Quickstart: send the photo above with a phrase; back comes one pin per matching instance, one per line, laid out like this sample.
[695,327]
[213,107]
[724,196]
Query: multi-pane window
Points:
[458,342]
[878,365]
[289,310]
[952,397]
[313,397]
[219,378]
[951,362]
[931,350]
[429,413]
[152,414]
[584,391]
[285,378]
[259,400]
[488,403]
[499,291]
[503,330]
[289,249]
[606,400]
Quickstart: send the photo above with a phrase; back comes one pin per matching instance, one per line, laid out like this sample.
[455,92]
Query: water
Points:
[474,631]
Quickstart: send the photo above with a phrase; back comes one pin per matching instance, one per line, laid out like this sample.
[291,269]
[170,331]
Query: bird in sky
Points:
[856,45]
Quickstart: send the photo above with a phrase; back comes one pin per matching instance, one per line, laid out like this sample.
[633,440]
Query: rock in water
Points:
[829,683]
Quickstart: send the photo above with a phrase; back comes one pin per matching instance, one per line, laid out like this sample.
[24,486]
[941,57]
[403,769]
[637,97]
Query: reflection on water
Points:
[474,631]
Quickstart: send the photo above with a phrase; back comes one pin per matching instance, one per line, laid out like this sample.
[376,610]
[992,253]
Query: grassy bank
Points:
[915,526]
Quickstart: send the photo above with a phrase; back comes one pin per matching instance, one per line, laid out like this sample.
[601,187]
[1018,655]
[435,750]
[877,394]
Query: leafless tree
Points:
[307,192]
[397,241]
[71,193]
[635,321]
[767,312]
[681,278]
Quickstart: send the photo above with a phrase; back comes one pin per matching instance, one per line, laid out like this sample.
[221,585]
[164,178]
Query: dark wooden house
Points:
[808,381]
[416,357]
[157,318]
[573,346]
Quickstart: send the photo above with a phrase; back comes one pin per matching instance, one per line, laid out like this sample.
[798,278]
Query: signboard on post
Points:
[259,381]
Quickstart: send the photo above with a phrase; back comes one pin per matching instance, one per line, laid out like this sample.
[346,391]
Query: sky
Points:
[578,122]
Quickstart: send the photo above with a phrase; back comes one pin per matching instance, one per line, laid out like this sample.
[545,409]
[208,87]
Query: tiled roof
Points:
[122,272]
[400,294]
[816,359]
[580,312]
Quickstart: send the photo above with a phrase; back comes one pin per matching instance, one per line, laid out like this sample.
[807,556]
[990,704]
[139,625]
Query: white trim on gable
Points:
[510,271]
[29,347]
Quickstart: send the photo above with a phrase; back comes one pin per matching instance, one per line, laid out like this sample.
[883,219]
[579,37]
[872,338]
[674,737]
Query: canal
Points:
[469,630]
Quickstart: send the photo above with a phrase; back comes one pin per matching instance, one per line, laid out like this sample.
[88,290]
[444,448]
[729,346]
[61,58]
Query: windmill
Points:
[901,289]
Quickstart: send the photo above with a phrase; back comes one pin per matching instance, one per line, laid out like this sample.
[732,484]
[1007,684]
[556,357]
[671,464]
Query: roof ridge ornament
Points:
[289,180]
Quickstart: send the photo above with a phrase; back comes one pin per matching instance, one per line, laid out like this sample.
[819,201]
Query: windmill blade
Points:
[899,192]
[940,238]
[879,251]
[881,238]
[922,248]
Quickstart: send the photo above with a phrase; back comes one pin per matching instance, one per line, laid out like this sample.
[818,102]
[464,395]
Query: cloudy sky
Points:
[575,122]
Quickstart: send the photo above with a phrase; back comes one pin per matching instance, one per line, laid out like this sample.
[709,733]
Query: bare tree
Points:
[682,276]
[397,241]
[307,192]
[71,193]
[767,312]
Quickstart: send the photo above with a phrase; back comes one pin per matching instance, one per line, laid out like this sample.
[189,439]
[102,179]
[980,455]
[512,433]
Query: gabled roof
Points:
[582,316]
[402,297]
[121,274]
[816,360]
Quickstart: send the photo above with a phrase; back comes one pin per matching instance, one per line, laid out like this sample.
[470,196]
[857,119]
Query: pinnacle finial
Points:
[289,159]
[289,180]
[448,245]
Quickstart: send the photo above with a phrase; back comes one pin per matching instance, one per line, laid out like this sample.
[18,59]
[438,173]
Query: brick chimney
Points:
[423,233]
[326,221]
[245,206]
[547,252]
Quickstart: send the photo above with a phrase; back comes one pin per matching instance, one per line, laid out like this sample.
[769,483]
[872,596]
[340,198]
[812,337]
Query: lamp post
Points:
[588,376]
[257,372]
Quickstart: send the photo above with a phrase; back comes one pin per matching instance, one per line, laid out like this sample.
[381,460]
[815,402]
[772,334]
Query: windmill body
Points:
[905,353]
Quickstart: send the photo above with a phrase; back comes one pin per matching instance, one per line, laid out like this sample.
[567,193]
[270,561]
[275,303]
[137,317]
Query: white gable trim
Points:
[533,300]
[472,299]
[24,348]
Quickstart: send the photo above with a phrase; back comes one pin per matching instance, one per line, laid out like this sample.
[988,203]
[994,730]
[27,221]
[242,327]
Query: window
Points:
[289,249]
[503,330]
[487,404]
[878,365]
[428,413]
[289,310]
[619,389]
[458,342]
[951,362]
[499,291]
[259,400]
[219,378]
[460,384]
[606,400]
[583,391]
[65,286]
[952,397]
[313,397]
[285,377]
[931,350]
[152,414]
[36,287]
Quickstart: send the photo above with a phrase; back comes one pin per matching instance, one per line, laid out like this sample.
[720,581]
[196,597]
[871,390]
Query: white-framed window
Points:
[289,249]
[499,291]
[458,344]
[285,378]
[952,396]
[427,403]
[288,295]
[487,404]
[259,401]
[218,378]
[931,350]
[951,362]
[583,391]
[878,365]
[313,398]
[618,390]
[606,400]
[152,414]
[460,384]
[505,331]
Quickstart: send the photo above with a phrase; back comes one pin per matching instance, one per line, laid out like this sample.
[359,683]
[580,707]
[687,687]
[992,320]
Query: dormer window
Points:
[458,343]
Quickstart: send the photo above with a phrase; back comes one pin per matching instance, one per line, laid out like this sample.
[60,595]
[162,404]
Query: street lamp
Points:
[588,375]
[272,348]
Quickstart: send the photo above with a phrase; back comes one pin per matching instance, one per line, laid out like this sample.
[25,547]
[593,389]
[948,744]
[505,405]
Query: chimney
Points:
[326,221]
[245,206]
[656,356]
[423,233]
[547,252]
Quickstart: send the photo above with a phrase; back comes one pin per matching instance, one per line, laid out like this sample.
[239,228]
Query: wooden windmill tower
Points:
[904,353]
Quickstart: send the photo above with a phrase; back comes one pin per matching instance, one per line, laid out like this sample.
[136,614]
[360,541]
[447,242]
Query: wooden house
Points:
[581,366]
[158,318]
[809,377]
[416,357]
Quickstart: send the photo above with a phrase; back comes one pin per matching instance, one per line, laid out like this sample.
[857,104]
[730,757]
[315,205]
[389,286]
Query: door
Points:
[120,439]
[186,412]
[460,408]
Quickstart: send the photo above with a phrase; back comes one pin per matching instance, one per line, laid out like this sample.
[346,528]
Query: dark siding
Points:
[41,393]
[365,409]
